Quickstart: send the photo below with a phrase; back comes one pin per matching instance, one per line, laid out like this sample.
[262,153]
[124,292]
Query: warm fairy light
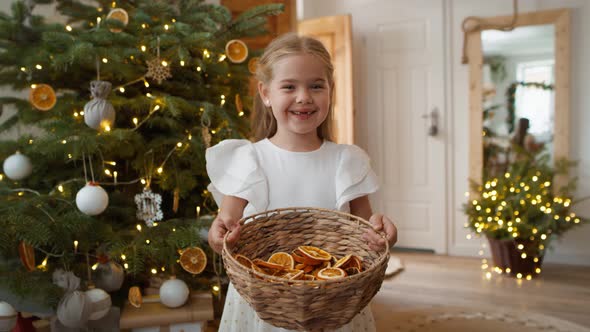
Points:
[160,170]
[543,236]
[143,25]
[69,28]
[146,84]
[155,224]
[222,57]
[122,89]
[182,63]
[166,27]
[488,275]
[173,20]
[523,255]
[198,68]
[206,54]
[81,112]
[107,128]
[529,277]
[190,137]
[241,114]
[163,269]
[216,288]
[75,245]
[519,275]
[538,270]
[69,156]
[138,226]
[105,60]
[135,121]
[114,4]
[60,188]
[107,172]
[39,67]
[123,257]
[174,229]
[147,241]
[164,63]
[98,20]
[44,263]
[157,107]
[20,193]
[154,271]
[64,141]
[143,48]
[179,144]
[536,259]
[126,266]
[76,114]
[94,266]
[468,236]
[149,95]
[1,177]
[213,132]
[23,69]
[521,246]
[143,181]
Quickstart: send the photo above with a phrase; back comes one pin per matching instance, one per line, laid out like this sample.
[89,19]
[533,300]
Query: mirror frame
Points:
[561,19]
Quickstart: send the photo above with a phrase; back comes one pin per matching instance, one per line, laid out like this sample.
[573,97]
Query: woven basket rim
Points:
[245,270]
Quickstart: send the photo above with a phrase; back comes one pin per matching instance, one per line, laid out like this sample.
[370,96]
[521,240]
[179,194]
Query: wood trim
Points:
[561,18]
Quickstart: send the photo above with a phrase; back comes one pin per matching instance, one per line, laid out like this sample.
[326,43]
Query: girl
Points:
[291,163]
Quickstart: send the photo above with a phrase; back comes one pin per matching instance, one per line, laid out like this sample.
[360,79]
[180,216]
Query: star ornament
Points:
[157,71]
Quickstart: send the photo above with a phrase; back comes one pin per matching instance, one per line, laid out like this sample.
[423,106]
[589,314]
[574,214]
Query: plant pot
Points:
[505,254]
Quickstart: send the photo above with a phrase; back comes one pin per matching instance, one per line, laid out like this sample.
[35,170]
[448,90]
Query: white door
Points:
[399,48]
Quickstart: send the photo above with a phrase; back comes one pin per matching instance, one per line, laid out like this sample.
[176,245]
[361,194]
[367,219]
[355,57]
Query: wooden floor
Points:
[430,280]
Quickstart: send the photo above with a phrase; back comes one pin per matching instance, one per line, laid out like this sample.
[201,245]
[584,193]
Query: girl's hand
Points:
[380,224]
[221,225]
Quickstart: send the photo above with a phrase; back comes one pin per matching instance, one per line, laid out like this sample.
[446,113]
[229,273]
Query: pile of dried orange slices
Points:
[305,263]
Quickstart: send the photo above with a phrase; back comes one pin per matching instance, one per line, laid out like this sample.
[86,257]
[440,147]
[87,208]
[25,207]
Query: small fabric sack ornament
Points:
[110,276]
[74,308]
[149,206]
[100,303]
[99,112]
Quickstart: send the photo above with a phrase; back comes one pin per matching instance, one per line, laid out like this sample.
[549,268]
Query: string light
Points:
[143,48]
[23,69]
[138,226]
[69,28]
[39,67]
[166,27]
[135,121]
[105,60]
[154,271]
[164,63]
[94,267]
[122,89]
[123,257]
[160,170]
[75,245]
[182,63]
[60,188]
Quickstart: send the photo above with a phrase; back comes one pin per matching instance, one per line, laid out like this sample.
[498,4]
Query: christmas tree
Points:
[107,171]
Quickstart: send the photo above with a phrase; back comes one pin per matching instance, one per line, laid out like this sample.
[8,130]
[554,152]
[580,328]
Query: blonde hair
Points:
[264,124]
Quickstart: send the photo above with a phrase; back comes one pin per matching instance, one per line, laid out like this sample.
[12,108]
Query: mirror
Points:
[519,90]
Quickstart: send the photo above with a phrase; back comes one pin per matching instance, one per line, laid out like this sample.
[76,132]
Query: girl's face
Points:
[299,94]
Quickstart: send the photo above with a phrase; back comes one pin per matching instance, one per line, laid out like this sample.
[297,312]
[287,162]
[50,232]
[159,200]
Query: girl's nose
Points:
[304,97]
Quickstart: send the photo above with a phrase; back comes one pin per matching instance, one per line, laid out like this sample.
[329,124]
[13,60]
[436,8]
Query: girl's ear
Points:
[263,92]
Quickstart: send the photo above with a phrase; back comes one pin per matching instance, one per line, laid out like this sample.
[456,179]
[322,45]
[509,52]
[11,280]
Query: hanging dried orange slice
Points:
[193,260]
[315,253]
[244,260]
[283,259]
[135,297]
[253,65]
[27,255]
[42,97]
[120,15]
[236,51]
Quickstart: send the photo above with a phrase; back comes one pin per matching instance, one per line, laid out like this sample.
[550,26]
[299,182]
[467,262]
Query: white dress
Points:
[269,177]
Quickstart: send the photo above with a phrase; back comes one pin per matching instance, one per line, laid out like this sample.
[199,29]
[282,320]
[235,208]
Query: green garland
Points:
[511,99]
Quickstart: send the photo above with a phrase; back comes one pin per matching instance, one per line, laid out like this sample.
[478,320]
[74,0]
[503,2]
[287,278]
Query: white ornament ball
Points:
[92,199]
[17,166]
[173,293]
[7,316]
[100,303]
[110,276]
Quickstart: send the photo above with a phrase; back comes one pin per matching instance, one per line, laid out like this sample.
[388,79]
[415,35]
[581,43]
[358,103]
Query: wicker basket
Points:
[301,304]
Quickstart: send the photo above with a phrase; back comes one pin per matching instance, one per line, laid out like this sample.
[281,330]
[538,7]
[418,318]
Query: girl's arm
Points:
[230,212]
[361,207]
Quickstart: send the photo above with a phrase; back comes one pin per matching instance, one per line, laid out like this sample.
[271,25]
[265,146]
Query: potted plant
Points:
[520,212]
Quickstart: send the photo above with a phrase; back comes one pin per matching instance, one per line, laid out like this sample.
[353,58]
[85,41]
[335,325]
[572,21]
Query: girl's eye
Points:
[317,86]
[288,87]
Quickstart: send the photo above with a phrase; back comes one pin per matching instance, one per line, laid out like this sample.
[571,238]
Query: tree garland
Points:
[511,99]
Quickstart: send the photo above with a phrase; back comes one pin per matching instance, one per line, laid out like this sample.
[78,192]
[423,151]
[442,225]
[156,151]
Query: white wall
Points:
[574,247]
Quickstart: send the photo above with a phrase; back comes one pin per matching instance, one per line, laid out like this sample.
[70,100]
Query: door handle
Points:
[433,116]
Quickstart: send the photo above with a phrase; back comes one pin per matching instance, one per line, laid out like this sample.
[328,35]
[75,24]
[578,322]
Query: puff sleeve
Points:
[354,176]
[233,168]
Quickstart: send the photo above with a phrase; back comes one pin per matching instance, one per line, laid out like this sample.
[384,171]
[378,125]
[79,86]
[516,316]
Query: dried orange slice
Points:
[290,274]
[253,65]
[267,265]
[244,260]
[343,261]
[120,15]
[283,259]
[351,271]
[42,97]
[308,277]
[134,297]
[236,51]
[27,255]
[260,269]
[315,253]
[331,273]
[193,260]
[355,261]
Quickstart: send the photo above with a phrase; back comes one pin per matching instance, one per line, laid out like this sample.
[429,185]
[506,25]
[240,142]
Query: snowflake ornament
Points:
[149,207]
[157,70]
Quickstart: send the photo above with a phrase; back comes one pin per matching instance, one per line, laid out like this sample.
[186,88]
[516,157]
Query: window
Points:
[534,103]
